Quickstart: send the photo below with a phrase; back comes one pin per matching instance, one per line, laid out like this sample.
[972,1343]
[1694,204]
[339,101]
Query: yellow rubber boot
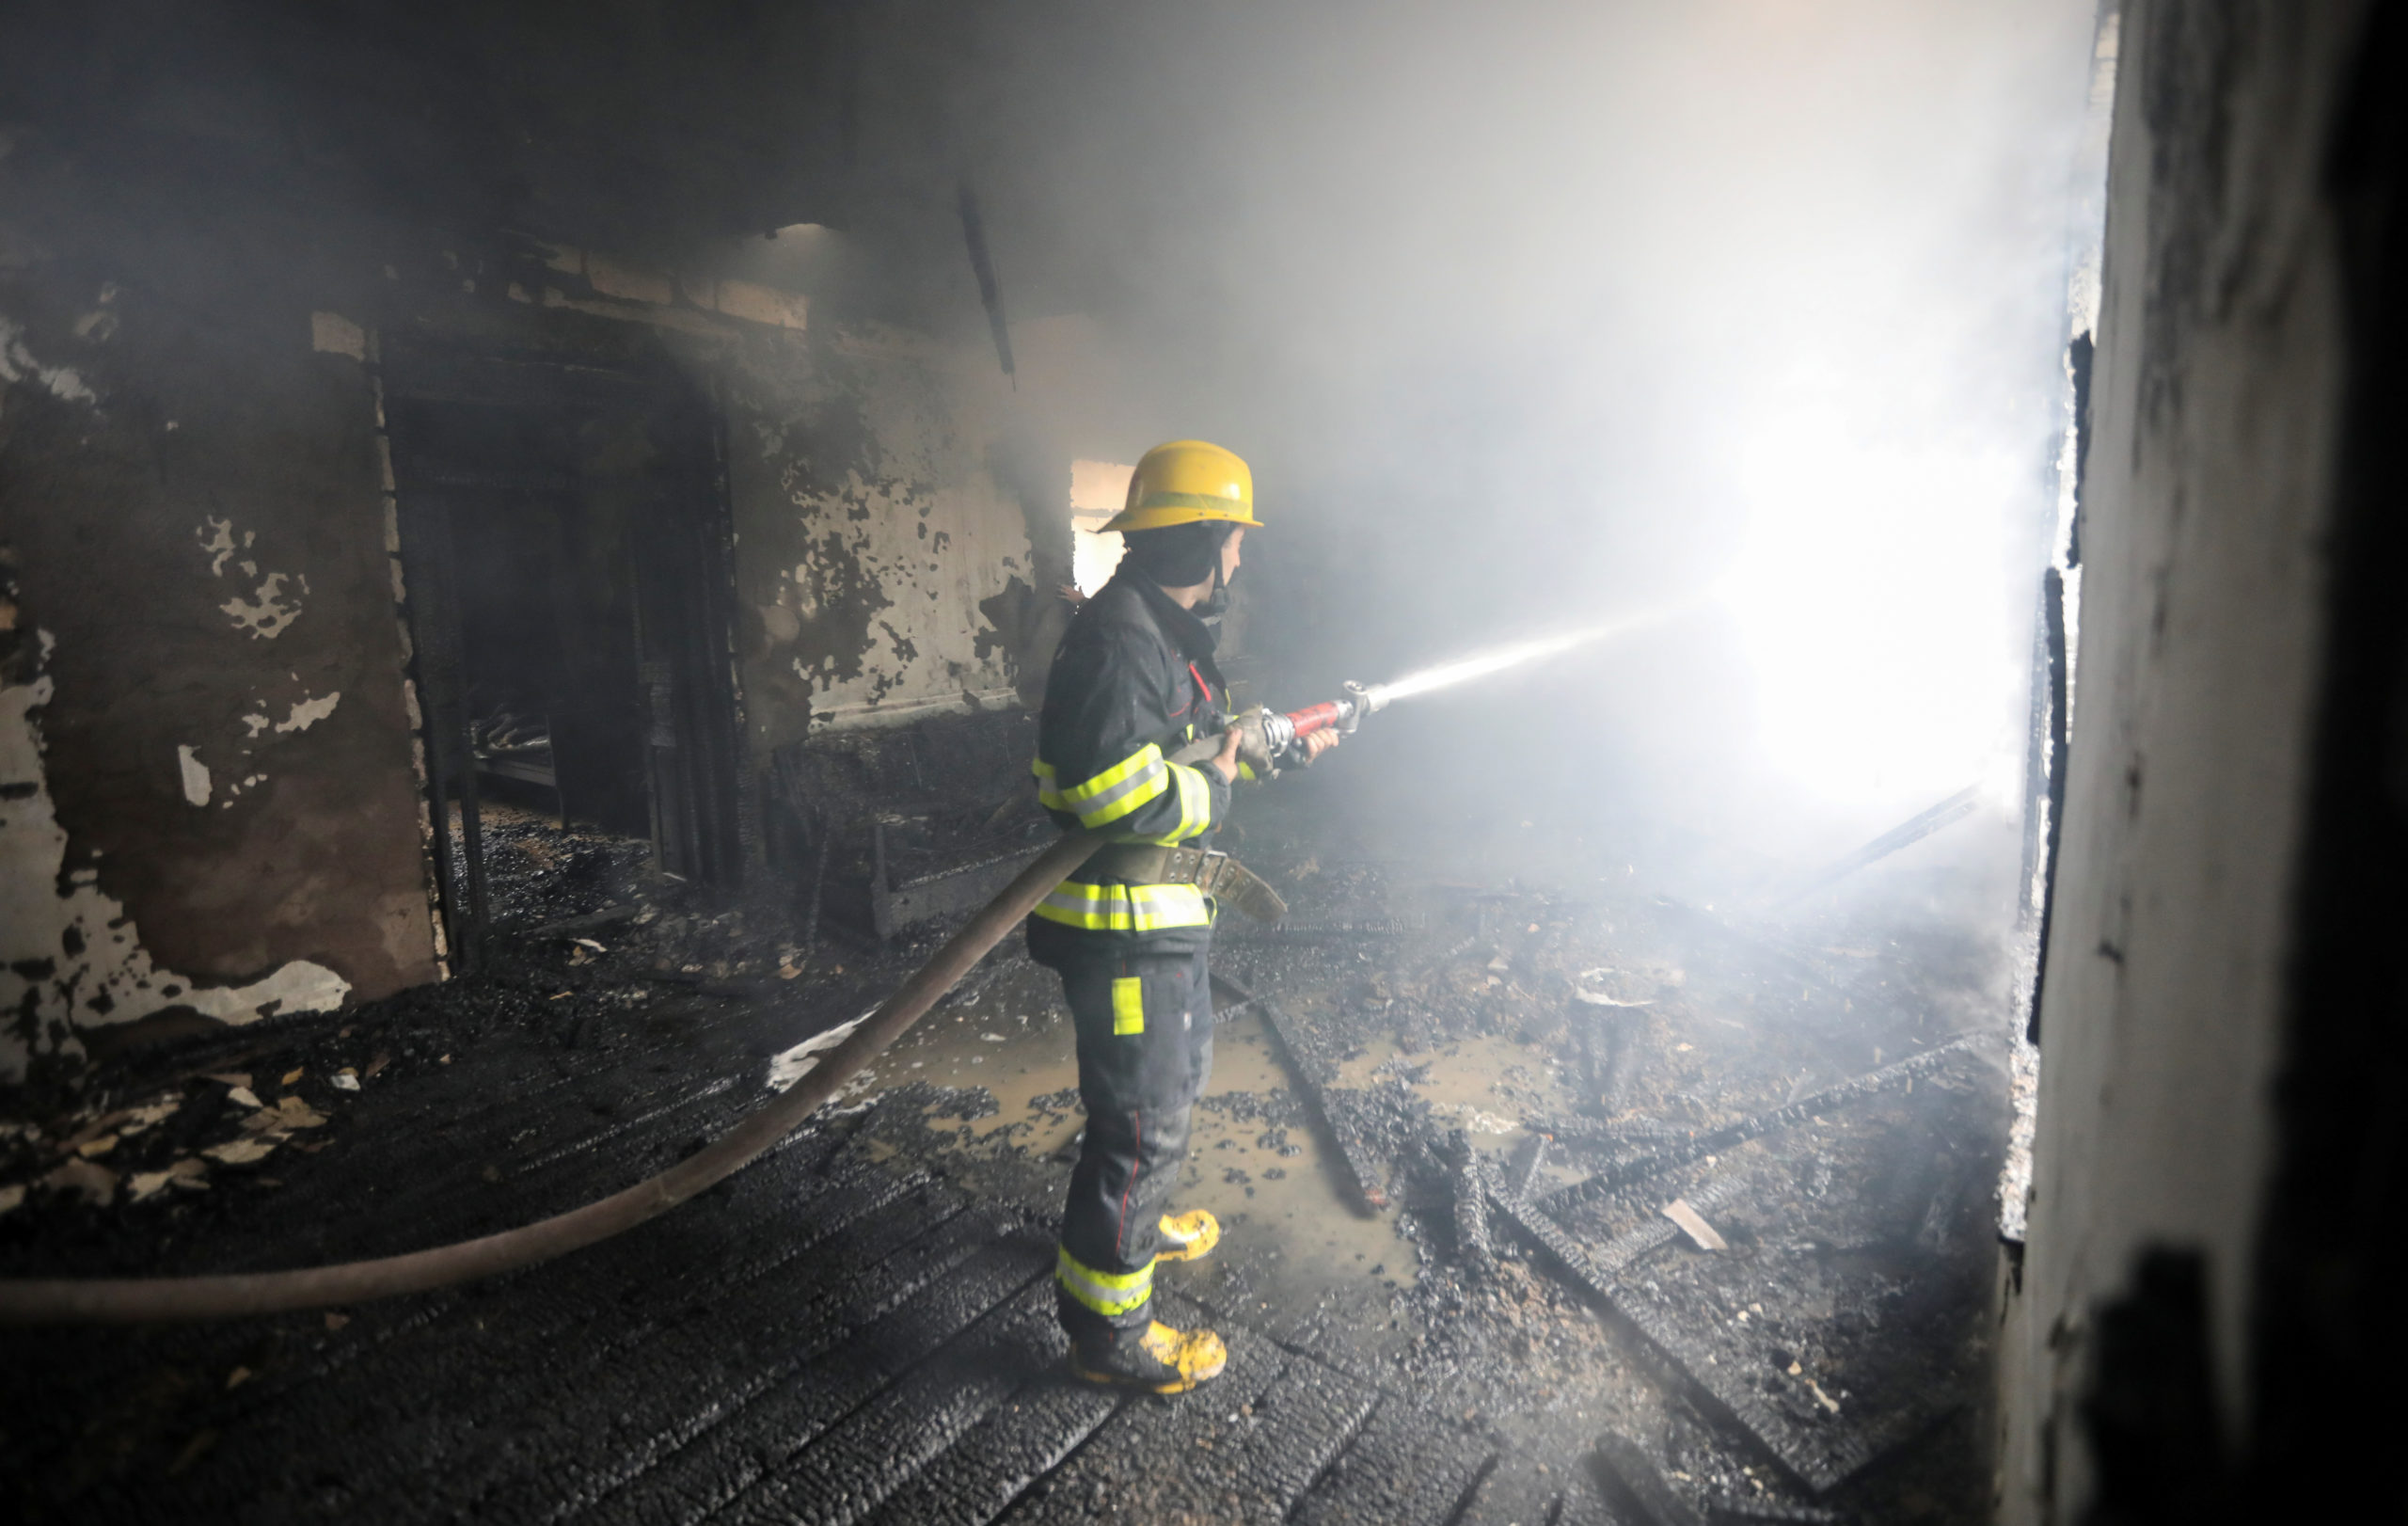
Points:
[1188,1236]
[1158,1359]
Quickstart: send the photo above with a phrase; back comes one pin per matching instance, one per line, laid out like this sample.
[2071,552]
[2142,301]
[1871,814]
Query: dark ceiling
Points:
[630,124]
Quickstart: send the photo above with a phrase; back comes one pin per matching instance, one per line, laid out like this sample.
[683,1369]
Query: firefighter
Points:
[1132,680]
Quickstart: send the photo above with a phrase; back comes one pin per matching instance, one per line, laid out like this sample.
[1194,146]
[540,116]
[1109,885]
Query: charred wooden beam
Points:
[1913,830]
[990,292]
[1635,1481]
[1715,1140]
[1820,1456]
[1741,1512]
[1596,1133]
[1522,1170]
[1472,1247]
[1623,1249]
[1609,1051]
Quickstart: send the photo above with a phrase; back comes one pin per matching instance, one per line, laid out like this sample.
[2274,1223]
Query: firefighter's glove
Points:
[1253,746]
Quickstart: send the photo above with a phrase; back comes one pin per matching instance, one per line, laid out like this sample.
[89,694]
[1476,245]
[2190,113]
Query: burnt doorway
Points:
[564,533]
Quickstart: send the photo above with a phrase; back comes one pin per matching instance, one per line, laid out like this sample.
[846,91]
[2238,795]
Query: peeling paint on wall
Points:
[275,602]
[268,611]
[193,474]
[873,533]
[331,333]
[100,324]
[263,616]
[196,776]
[17,364]
[308,712]
[70,959]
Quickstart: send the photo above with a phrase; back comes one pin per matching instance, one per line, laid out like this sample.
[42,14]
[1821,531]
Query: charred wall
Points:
[209,805]
[894,504]
[2210,1169]
[213,809]
[886,561]
[212,217]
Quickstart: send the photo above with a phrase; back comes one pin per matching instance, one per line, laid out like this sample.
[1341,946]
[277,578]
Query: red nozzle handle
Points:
[1314,718]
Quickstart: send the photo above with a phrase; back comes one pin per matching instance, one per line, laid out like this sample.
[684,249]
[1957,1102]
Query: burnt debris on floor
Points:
[860,1327]
[897,827]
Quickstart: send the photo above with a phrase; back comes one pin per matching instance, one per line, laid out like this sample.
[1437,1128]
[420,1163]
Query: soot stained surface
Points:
[859,1327]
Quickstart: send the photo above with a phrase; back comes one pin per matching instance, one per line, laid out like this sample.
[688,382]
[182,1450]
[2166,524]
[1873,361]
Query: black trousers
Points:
[1145,1038]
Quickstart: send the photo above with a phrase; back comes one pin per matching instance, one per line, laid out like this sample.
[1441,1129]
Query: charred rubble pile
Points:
[887,830]
[597,962]
[1703,1211]
[538,871]
[592,956]
[1726,1234]
[1703,1207]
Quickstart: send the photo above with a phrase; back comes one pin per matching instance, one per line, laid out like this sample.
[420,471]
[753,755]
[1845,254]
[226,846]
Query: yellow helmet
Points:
[1185,480]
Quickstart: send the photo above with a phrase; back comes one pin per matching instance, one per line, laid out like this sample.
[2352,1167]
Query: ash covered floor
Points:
[859,1328]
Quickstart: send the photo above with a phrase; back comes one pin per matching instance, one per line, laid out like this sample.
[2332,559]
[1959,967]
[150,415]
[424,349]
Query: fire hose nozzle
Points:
[1362,700]
[1279,736]
[1269,741]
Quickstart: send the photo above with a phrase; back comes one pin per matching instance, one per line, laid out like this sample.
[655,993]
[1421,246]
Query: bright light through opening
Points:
[1871,605]
[1098,488]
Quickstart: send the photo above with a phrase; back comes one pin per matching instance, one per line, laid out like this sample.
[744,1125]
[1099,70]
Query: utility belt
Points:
[1215,874]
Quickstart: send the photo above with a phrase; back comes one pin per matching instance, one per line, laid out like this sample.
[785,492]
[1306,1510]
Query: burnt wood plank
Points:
[725,1435]
[1407,1468]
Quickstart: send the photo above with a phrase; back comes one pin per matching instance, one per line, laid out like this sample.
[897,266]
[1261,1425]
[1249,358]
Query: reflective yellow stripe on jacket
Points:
[1120,789]
[1195,805]
[1047,795]
[1125,907]
[1106,1292]
[1133,782]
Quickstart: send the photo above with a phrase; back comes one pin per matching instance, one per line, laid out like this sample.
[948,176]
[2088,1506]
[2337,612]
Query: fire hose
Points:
[1268,735]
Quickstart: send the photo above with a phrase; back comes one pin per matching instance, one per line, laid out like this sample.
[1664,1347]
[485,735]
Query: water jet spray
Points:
[1281,735]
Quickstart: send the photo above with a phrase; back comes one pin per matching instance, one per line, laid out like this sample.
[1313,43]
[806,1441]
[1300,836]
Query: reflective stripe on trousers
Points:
[1145,1038]
[1109,1294]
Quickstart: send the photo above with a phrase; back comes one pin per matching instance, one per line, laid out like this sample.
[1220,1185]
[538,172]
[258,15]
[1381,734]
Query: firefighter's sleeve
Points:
[1100,762]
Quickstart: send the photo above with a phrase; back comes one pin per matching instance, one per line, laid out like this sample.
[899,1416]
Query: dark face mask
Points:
[1216,603]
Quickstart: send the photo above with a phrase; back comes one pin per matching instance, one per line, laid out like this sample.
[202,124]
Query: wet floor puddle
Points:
[1276,1187]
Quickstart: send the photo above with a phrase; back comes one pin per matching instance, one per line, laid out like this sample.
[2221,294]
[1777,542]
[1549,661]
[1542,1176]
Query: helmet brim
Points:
[1161,516]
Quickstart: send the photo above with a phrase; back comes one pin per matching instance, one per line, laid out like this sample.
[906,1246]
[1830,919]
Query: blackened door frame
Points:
[682,578]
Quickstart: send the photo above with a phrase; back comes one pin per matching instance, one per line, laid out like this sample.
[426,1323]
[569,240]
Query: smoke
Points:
[1531,312]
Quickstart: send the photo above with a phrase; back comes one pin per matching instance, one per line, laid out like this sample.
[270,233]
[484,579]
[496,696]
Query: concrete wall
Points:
[207,798]
[2217,400]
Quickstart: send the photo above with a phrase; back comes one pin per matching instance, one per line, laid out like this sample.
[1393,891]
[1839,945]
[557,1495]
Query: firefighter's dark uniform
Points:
[1133,679]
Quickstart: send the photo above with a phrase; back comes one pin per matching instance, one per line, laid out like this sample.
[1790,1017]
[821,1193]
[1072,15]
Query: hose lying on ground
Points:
[140,1299]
